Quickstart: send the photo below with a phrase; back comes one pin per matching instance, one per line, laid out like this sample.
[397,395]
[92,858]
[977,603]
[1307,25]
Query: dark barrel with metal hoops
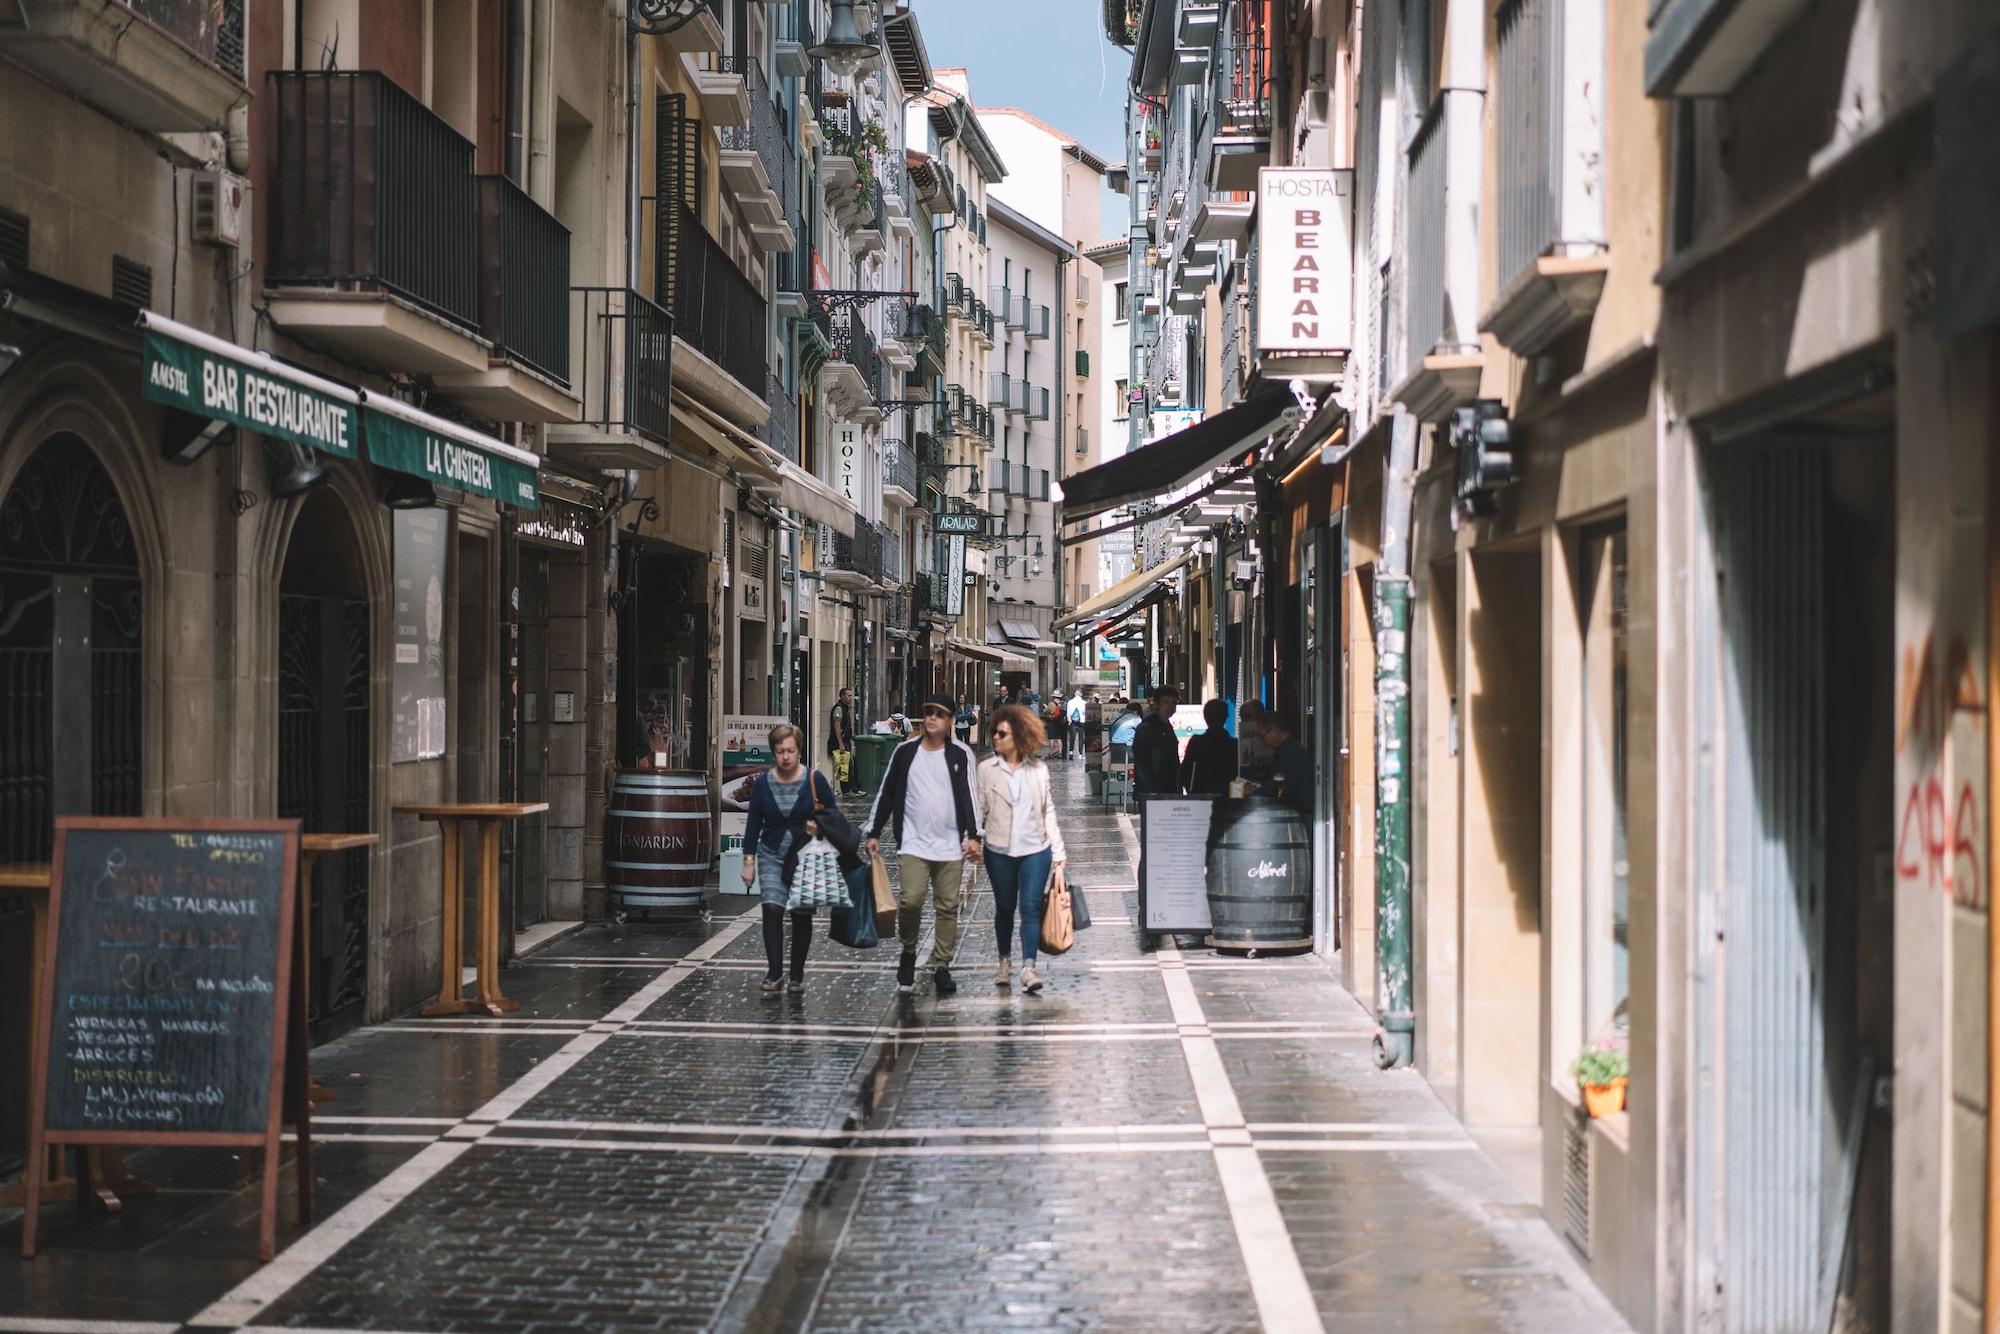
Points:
[1260,875]
[658,838]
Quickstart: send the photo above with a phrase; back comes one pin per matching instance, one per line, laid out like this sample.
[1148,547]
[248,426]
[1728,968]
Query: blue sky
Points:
[1048,57]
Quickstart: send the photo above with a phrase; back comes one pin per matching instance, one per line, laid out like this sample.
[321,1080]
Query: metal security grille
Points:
[1770,1151]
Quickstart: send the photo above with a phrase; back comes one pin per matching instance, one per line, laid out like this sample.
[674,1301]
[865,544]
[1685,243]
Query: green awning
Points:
[211,377]
[405,440]
[814,351]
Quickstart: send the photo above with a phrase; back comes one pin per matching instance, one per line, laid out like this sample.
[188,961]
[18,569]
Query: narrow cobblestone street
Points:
[1161,1140]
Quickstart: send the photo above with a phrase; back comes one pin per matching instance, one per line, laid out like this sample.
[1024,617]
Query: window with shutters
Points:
[676,190]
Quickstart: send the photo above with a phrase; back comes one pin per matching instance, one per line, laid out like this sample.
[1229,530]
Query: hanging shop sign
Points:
[408,441]
[210,377]
[954,579]
[847,463]
[1305,237]
[969,523]
[418,732]
[557,524]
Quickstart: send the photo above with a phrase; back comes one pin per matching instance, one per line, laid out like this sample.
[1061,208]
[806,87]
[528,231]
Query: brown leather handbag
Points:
[1058,926]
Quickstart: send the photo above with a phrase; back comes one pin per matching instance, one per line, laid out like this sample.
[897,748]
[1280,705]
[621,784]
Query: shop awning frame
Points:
[1163,466]
[1106,626]
[967,649]
[262,394]
[1127,590]
[400,439]
[813,500]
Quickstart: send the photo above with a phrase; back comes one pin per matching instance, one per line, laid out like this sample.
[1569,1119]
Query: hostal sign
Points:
[1305,228]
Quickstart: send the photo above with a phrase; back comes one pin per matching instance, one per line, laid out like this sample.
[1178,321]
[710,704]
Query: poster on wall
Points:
[418,678]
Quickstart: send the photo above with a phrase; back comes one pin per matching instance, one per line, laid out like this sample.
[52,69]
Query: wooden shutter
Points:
[676,189]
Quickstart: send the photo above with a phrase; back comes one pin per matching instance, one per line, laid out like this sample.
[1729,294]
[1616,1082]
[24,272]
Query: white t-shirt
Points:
[930,816]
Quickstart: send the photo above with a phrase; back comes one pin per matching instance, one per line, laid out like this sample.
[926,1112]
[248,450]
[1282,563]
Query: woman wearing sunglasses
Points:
[1023,845]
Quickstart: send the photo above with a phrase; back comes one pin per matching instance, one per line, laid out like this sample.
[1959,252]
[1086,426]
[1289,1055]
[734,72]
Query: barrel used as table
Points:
[658,838]
[1260,876]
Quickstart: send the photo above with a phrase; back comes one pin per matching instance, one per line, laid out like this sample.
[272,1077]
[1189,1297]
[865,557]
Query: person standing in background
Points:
[1074,714]
[1156,754]
[840,741]
[1211,757]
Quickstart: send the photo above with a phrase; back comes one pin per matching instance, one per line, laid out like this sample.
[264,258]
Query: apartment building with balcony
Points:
[1112,369]
[1619,458]
[956,166]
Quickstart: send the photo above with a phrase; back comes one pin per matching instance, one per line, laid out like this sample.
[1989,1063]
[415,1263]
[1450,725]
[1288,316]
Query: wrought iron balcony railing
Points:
[999,388]
[717,309]
[622,352]
[1424,246]
[852,343]
[899,466]
[524,278]
[781,429]
[373,191]
[766,134]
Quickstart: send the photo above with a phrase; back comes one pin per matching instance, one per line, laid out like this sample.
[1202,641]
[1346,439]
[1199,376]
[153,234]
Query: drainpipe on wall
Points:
[517,62]
[1396,1022]
[632,187]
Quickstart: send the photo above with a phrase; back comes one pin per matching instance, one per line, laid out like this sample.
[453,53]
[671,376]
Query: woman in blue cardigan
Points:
[781,808]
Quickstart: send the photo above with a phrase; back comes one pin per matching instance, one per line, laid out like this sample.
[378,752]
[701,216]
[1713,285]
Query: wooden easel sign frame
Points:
[170,955]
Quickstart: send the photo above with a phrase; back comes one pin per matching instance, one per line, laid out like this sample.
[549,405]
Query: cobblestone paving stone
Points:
[663,1147]
[551,1240]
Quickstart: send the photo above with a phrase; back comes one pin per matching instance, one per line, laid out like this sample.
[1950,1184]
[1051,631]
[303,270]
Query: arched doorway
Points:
[70,727]
[323,750]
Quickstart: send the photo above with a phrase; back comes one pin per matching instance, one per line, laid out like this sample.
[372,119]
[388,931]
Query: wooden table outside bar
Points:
[110,1181]
[311,848]
[452,817]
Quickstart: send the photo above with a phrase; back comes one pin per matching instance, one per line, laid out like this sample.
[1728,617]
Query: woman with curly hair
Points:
[1023,844]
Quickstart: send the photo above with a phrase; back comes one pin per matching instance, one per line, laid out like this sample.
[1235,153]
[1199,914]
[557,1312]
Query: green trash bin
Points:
[871,759]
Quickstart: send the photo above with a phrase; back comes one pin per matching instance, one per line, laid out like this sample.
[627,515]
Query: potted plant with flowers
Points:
[1601,1071]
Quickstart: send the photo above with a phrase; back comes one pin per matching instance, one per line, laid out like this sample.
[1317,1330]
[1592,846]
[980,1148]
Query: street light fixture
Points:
[843,47]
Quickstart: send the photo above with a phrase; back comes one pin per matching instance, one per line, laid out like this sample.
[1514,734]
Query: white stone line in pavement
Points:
[347,1137]
[517,1030]
[32,1324]
[877,1133]
[441,1122]
[297,1262]
[1362,1145]
[1277,1279]
[830,1151]
[248,1299]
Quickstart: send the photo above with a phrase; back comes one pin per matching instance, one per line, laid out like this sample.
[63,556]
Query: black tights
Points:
[774,942]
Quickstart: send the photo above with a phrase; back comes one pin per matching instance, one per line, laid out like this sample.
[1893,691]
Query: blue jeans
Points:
[1019,880]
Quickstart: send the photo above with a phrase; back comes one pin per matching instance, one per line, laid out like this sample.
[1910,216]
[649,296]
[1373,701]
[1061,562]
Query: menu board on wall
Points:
[1173,863]
[419,635]
[168,999]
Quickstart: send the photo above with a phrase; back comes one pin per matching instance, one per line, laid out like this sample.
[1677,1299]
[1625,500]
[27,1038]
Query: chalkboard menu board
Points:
[167,999]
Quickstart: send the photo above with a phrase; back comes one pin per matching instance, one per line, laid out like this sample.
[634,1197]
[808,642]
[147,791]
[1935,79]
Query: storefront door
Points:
[531,904]
[1319,599]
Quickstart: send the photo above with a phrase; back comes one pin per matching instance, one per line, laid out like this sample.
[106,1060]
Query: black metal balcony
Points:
[766,132]
[524,299]
[781,429]
[373,191]
[899,466]
[717,309]
[861,551]
[623,356]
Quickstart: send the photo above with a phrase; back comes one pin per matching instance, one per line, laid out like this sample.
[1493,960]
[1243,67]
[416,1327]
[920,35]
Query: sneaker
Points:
[906,973]
[1001,971]
[1029,982]
[946,988]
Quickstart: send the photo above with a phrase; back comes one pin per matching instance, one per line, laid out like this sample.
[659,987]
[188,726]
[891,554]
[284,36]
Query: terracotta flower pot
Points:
[1604,1099]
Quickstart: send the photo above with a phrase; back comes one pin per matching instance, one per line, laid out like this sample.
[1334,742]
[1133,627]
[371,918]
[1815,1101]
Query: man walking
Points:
[1156,755]
[927,797]
[1073,712]
[840,742]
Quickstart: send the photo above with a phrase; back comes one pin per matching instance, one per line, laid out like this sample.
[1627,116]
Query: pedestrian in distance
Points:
[840,741]
[782,802]
[1210,763]
[1074,714]
[1156,755]
[927,799]
[967,716]
[1023,843]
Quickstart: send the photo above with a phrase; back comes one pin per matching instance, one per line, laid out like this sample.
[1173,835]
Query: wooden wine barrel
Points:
[1260,876]
[658,838]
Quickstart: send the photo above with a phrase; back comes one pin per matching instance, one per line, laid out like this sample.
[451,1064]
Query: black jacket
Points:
[889,802]
[1156,758]
[1210,763]
[840,729]
[833,826]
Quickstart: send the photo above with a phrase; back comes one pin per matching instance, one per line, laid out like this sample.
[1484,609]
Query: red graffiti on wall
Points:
[1937,850]
[1940,844]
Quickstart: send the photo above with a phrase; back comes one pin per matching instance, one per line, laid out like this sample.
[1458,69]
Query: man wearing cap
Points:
[927,796]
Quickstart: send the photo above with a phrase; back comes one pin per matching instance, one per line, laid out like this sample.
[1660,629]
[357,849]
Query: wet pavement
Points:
[1163,1139]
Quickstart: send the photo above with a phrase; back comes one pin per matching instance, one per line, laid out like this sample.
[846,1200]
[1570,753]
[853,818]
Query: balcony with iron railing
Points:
[1012,478]
[1238,140]
[373,192]
[386,250]
[160,66]
[781,429]
[524,287]
[767,195]
[857,556]
[899,470]
[1438,370]
[621,354]
[853,376]
[718,311]
[1550,215]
